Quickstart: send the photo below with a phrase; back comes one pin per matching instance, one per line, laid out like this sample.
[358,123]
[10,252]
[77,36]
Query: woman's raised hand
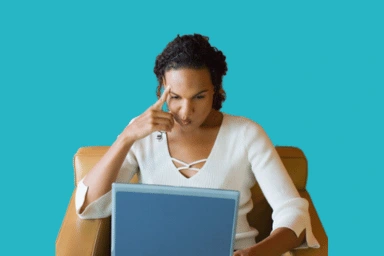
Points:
[153,119]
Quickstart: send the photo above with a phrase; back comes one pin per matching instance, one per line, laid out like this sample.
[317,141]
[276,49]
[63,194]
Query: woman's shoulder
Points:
[241,122]
[246,129]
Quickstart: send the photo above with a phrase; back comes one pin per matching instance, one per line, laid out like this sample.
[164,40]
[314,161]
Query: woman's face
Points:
[191,96]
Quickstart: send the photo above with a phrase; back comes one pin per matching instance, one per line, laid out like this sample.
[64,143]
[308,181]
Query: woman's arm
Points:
[100,178]
[280,241]
[290,212]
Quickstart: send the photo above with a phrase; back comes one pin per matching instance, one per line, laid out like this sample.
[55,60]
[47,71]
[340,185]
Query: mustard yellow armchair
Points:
[93,237]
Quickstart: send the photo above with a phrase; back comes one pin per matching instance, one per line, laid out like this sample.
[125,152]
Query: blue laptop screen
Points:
[171,224]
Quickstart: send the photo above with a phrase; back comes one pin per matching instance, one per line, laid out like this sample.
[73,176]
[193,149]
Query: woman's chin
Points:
[185,125]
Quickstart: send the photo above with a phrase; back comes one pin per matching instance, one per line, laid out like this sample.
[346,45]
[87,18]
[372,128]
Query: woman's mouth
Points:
[183,122]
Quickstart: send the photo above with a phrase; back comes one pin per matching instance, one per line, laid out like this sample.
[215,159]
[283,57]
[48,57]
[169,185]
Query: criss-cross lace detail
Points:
[188,166]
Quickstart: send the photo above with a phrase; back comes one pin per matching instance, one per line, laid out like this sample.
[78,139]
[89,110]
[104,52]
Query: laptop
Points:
[156,220]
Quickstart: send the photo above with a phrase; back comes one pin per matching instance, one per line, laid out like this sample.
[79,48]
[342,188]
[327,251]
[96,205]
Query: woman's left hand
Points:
[244,252]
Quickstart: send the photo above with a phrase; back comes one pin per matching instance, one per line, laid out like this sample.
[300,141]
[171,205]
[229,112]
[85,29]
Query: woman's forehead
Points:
[188,78]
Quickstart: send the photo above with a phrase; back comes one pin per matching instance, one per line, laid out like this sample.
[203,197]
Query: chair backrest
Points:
[260,217]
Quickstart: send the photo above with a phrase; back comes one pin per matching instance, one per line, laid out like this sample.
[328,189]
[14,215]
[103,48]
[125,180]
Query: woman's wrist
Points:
[126,140]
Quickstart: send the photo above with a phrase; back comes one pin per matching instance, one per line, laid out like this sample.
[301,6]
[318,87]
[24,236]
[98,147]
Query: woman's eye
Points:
[200,97]
[175,97]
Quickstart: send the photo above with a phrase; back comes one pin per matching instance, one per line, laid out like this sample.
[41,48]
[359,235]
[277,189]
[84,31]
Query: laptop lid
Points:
[166,220]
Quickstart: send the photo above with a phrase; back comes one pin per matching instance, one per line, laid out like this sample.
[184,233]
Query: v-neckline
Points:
[174,168]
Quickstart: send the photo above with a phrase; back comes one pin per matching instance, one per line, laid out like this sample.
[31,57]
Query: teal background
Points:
[73,73]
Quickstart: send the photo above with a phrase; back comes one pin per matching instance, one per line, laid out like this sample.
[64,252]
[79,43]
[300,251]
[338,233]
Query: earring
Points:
[159,136]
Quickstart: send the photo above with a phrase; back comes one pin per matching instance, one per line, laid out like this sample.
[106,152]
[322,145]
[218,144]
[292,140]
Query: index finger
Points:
[159,104]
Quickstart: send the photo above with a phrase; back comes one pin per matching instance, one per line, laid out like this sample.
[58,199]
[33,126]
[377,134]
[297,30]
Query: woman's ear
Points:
[163,83]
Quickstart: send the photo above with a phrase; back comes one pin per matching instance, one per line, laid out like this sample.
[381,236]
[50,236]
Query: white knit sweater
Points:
[241,156]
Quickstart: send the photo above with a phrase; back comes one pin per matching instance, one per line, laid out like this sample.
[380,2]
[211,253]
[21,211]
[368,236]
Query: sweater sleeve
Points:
[101,207]
[289,209]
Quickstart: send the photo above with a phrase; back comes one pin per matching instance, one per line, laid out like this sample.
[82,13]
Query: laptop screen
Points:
[166,220]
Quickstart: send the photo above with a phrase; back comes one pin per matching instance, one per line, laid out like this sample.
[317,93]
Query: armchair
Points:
[93,237]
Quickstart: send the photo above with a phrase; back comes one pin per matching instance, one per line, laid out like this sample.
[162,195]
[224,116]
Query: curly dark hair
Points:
[193,51]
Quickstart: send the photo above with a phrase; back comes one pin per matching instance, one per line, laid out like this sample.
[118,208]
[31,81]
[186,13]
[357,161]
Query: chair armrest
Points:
[83,237]
[318,231]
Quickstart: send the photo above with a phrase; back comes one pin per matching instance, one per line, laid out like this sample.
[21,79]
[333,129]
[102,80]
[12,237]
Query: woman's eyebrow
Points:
[193,95]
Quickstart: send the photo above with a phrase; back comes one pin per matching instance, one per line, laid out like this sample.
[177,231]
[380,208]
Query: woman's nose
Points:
[186,110]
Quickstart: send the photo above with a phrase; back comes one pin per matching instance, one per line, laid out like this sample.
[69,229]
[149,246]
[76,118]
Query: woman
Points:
[199,146]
